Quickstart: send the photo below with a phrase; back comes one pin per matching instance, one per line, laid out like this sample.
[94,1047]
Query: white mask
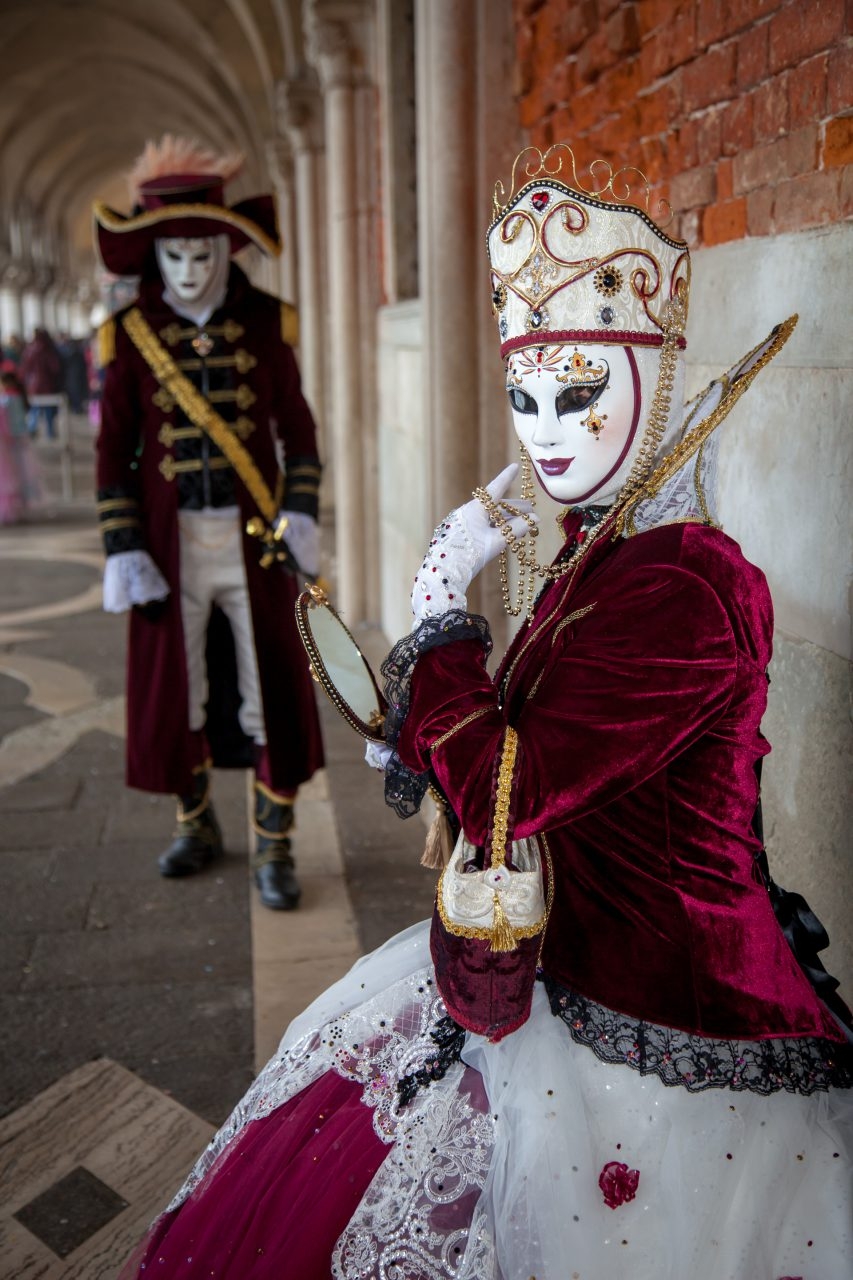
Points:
[576,409]
[195,273]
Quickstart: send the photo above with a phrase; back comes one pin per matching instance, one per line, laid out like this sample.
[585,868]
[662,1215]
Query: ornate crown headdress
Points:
[583,264]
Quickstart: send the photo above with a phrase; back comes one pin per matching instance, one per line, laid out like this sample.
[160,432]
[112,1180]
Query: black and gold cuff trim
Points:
[118,520]
[302,485]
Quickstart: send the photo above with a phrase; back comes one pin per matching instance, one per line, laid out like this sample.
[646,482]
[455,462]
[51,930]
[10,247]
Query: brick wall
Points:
[739,111]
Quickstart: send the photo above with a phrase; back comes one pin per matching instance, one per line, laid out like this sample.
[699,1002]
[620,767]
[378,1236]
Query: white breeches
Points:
[213,573]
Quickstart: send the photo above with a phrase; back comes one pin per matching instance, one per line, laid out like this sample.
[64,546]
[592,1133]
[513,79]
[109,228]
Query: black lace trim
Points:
[404,789]
[449,1037]
[698,1062]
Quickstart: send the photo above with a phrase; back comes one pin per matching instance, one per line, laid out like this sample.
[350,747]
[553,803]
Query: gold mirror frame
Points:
[315,598]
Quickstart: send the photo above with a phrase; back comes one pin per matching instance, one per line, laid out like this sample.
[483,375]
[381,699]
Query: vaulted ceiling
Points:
[86,82]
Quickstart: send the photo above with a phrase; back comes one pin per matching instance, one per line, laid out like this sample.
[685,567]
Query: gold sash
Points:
[200,411]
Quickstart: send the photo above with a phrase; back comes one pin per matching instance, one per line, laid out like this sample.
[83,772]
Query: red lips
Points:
[554,466]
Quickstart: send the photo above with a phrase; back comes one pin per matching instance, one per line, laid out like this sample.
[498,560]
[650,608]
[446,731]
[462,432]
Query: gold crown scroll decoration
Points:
[583,263]
[551,164]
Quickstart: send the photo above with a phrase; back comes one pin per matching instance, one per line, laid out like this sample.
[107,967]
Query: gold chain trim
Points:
[573,617]
[199,411]
[445,737]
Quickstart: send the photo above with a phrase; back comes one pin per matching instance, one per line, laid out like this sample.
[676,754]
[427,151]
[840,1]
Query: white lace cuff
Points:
[302,536]
[132,577]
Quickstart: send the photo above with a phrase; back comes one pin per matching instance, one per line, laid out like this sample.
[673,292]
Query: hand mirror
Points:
[339,666]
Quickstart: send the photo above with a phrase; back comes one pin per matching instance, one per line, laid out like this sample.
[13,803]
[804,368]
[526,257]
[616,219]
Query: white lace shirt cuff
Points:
[132,577]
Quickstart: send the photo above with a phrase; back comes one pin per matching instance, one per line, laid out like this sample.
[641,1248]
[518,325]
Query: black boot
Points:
[198,839]
[273,861]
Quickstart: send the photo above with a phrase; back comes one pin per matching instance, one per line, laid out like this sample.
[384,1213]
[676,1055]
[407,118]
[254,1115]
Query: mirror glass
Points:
[339,665]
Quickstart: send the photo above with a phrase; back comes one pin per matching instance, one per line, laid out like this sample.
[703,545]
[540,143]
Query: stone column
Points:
[280,165]
[300,117]
[11,306]
[32,305]
[336,35]
[450,235]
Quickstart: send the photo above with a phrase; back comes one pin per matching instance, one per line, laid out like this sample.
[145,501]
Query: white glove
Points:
[302,536]
[132,577]
[461,546]
[377,755]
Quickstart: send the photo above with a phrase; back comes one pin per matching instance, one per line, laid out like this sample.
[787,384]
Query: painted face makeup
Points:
[576,411]
[187,265]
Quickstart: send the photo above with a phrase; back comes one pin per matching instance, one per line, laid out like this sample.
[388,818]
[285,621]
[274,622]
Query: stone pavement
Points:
[114,982]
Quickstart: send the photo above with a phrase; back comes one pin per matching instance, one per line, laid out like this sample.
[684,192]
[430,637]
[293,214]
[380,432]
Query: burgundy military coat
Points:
[637,693]
[150,464]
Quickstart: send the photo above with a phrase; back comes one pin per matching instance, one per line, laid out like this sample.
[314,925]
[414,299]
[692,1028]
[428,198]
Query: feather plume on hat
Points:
[174,154]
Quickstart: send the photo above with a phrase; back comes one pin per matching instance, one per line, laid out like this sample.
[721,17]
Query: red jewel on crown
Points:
[539,200]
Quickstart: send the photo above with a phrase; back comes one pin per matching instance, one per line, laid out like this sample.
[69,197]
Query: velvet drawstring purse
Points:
[489,924]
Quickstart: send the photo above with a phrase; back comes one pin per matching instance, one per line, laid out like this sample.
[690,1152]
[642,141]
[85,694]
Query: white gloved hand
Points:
[461,546]
[132,577]
[302,536]
[377,755]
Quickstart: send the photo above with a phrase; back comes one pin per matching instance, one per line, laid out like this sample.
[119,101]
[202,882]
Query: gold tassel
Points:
[502,937]
[439,841]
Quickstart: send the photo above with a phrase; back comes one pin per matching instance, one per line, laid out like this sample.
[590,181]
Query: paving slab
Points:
[115,1143]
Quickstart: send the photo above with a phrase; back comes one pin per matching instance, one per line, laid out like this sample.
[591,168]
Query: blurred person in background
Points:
[41,372]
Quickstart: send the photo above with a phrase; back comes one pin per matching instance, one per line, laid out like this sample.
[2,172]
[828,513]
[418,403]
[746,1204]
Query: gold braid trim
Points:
[107,342]
[502,798]
[199,410]
[289,324]
[116,504]
[116,222]
[445,737]
[118,522]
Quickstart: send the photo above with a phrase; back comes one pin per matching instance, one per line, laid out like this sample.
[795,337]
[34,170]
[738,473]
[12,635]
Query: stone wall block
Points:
[808,817]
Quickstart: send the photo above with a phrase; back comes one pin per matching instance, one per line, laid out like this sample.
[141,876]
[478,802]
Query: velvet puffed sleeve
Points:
[616,695]
[118,444]
[296,430]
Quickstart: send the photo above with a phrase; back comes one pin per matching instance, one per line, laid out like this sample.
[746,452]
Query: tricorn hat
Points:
[178,189]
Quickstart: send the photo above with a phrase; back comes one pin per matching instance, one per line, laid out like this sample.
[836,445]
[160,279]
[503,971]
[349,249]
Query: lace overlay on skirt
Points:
[415,1216]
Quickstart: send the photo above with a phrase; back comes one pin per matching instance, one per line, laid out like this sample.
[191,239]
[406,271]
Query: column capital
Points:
[337,36]
[279,157]
[299,111]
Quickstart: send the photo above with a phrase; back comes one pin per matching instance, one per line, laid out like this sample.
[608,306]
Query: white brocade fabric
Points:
[132,577]
[712,1186]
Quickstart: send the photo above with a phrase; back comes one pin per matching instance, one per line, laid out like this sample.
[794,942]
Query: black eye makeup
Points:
[172,256]
[576,399]
[521,401]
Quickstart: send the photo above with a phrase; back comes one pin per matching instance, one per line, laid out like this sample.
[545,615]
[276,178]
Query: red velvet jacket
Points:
[637,693]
